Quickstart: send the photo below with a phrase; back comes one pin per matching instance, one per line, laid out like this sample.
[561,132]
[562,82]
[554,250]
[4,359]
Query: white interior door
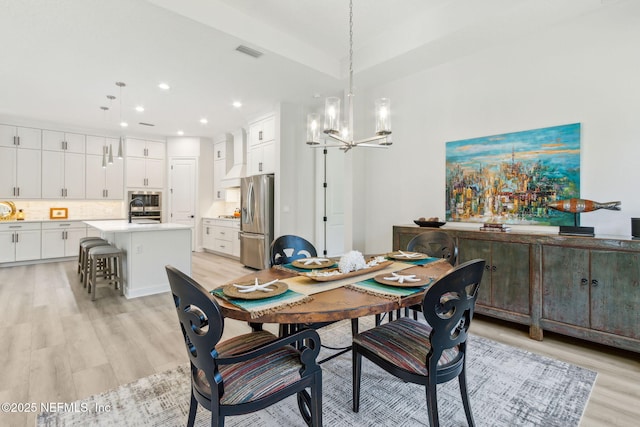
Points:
[331,203]
[182,194]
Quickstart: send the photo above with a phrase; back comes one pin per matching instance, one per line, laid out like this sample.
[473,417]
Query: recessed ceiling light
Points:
[180,132]
[204,121]
[164,86]
[139,108]
[237,104]
[124,124]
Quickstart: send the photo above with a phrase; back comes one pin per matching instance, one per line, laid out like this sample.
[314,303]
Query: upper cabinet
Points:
[20,162]
[63,141]
[145,163]
[103,183]
[222,149]
[261,151]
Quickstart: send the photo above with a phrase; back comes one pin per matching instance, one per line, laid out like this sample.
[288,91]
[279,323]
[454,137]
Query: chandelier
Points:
[342,132]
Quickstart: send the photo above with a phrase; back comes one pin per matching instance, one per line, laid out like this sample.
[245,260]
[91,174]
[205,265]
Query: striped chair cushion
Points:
[404,343]
[256,378]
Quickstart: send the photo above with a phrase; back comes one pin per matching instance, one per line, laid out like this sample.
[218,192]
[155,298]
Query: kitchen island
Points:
[148,248]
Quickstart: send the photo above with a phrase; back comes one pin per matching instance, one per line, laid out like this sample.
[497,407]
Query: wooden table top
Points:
[336,304]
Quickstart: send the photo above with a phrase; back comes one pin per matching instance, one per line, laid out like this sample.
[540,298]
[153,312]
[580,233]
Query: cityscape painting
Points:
[510,178]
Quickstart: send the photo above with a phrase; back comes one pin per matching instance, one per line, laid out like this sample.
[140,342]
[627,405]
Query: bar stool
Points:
[105,261]
[84,255]
[81,252]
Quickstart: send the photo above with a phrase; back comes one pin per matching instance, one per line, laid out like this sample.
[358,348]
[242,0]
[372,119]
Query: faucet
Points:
[137,202]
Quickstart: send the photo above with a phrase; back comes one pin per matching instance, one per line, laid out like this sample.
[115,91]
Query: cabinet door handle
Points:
[594,282]
[583,281]
[17,237]
[13,236]
[62,192]
[487,267]
[260,136]
[14,191]
[494,268]
[15,140]
[106,193]
[18,188]
[260,166]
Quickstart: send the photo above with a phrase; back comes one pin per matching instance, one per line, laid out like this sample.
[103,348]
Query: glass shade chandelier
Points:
[342,132]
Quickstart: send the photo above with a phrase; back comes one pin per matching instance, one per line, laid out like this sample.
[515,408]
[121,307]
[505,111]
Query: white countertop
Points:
[123,226]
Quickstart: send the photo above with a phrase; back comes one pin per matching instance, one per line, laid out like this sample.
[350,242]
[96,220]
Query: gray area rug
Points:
[508,387]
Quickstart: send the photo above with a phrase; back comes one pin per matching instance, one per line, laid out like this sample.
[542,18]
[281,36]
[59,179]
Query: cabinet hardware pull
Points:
[17,237]
[260,136]
[14,191]
[13,236]
[487,267]
[594,282]
[106,192]
[260,166]
[18,188]
[15,140]
[583,281]
[62,192]
[494,268]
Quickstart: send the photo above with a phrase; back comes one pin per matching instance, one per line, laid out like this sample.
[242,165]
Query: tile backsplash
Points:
[80,209]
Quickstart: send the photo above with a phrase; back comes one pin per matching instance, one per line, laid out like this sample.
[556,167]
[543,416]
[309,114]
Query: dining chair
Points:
[248,372]
[428,353]
[289,248]
[437,244]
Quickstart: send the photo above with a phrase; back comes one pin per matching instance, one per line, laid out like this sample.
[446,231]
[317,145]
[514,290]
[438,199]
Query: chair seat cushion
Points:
[404,343]
[256,378]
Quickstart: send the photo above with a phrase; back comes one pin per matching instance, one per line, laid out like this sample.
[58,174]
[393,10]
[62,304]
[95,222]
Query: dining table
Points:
[340,303]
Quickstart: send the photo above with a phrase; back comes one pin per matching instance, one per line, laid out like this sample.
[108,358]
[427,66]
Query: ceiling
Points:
[61,58]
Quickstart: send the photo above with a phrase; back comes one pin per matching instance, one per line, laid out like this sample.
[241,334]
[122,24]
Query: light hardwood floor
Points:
[58,346]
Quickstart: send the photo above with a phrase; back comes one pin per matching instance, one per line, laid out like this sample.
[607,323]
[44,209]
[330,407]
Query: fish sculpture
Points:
[582,205]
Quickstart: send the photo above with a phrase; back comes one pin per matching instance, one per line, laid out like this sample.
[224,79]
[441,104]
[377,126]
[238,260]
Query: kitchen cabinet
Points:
[222,149]
[63,175]
[19,241]
[104,183]
[594,289]
[145,148]
[63,141]
[20,173]
[145,163]
[221,236]
[62,239]
[505,282]
[21,137]
[261,151]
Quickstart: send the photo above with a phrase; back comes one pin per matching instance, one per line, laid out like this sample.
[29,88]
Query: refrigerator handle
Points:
[252,236]
[250,201]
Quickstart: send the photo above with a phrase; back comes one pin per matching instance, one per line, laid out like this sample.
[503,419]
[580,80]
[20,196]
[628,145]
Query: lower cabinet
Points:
[221,236]
[62,239]
[19,241]
[594,289]
[505,282]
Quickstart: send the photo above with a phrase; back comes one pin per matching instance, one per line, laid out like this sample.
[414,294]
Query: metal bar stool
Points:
[105,262]
[81,253]
[84,257]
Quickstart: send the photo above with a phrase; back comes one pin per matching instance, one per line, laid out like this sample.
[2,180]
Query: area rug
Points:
[507,387]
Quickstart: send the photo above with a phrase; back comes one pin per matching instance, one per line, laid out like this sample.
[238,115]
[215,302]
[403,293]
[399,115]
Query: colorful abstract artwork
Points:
[510,178]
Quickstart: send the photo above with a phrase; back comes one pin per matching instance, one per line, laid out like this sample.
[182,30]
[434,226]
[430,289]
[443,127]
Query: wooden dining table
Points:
[328,306]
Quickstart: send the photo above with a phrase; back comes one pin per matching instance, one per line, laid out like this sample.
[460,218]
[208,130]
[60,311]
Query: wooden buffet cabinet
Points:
[585,287]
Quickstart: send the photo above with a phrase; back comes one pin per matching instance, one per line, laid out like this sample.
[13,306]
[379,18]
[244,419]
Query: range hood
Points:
[238,170]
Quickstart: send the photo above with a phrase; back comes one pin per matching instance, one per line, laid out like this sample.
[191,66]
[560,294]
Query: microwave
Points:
[152,201]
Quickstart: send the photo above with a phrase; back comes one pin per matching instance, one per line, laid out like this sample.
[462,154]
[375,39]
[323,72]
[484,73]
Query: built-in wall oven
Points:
[147,206]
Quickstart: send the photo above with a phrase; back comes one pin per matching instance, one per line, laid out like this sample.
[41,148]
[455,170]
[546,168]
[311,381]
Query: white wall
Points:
[587,71]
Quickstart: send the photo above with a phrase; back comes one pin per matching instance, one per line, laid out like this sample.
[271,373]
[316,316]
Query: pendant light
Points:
[104,147]
[122,123]
[343,133]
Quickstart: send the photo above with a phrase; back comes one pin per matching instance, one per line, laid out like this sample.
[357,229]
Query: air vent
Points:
[248,51]
[146,124]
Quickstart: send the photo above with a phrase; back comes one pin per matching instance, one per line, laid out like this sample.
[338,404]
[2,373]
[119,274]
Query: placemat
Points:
[264,306]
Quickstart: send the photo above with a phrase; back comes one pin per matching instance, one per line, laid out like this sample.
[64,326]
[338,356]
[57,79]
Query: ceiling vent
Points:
[248,51]
[146,124]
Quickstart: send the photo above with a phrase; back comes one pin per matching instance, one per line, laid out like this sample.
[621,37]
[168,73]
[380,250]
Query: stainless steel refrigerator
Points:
[256,223]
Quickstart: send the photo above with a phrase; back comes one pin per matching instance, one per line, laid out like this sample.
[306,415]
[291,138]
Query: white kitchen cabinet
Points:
[21,137]
[61,239]
[19,241]
[221,236]
[145,173]
[145,148]
[20,173]
[63,175]
[262,131]
[222,162]
[261,152]
[63,141]
[104,183]
[218,175]
[97,144]
[145,163]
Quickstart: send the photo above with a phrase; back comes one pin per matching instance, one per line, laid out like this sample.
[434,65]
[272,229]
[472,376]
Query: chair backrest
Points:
[289,248]
[435,243]
[201,322]
[449,303]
